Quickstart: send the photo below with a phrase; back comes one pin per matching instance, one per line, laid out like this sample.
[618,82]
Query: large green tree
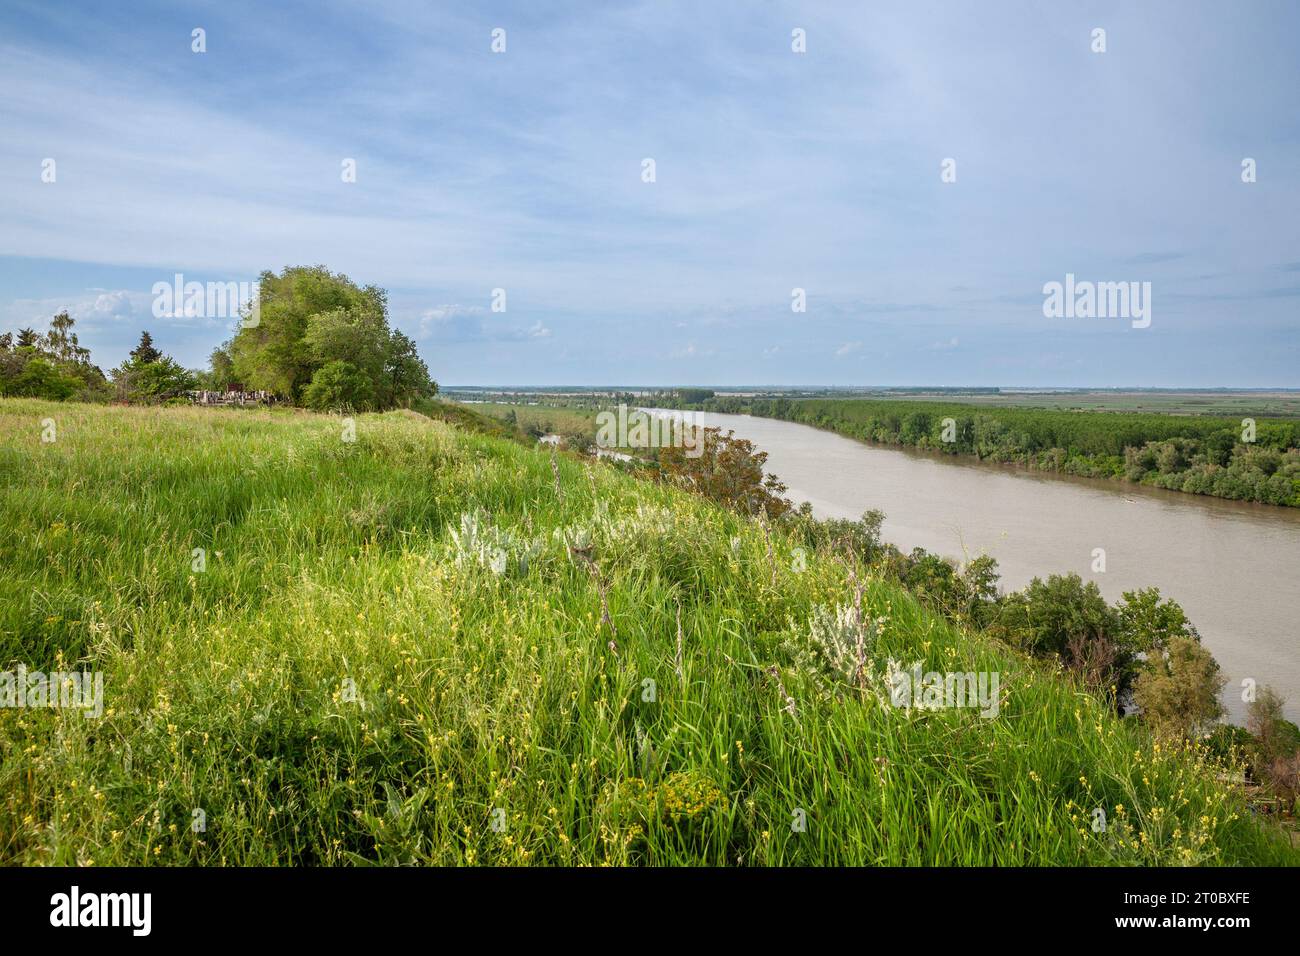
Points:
[309,319]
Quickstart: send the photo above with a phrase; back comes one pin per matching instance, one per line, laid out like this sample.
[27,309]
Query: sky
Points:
[774,170]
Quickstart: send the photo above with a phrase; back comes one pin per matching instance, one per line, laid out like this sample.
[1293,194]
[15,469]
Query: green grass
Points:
[467,418]
[549,418]
[332,564]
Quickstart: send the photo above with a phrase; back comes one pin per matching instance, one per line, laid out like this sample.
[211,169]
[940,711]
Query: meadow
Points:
[543,419]
[398,641]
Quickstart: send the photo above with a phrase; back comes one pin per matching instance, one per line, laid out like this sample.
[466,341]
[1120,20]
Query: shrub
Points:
[1178,688]
[727,469]
[339,385]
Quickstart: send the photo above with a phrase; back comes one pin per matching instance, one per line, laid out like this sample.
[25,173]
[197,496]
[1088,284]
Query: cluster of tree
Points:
[324,342]
[1200,455]
[727,469]
[51,365]
[148,376]
[679,397]
[55,366]
[319,341]
[1240,472]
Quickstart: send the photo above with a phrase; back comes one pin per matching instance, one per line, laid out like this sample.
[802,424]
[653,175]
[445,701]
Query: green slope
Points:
[497,718]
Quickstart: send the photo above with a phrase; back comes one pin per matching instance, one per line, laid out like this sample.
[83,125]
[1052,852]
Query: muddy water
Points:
[1234,567]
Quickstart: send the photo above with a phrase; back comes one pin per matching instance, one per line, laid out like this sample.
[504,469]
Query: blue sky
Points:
[774,170]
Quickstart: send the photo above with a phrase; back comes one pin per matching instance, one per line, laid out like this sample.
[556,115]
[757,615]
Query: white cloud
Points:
[92,308]
[442,319]
[113,305]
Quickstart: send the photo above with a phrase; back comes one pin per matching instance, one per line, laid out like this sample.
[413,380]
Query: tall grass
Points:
[356,677]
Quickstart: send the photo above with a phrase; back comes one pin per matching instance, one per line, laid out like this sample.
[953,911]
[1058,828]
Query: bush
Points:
[148,383]
[1229,743]
[41,379]
[1274,735]
[1047,614]
[727,469]
[340,386]
[1178,689]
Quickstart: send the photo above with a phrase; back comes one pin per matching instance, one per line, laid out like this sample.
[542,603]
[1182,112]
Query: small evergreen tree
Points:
[145,353]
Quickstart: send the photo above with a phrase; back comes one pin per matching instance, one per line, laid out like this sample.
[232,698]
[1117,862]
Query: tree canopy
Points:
[322,340]
[54,365]
[148,376]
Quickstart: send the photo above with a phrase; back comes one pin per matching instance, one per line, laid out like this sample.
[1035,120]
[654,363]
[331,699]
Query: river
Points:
[1233,566]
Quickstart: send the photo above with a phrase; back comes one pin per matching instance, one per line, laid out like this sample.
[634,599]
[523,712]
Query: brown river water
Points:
[1234,567]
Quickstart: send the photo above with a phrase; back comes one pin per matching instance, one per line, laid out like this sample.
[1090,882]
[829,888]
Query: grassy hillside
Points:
[467,418]
[499,715]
